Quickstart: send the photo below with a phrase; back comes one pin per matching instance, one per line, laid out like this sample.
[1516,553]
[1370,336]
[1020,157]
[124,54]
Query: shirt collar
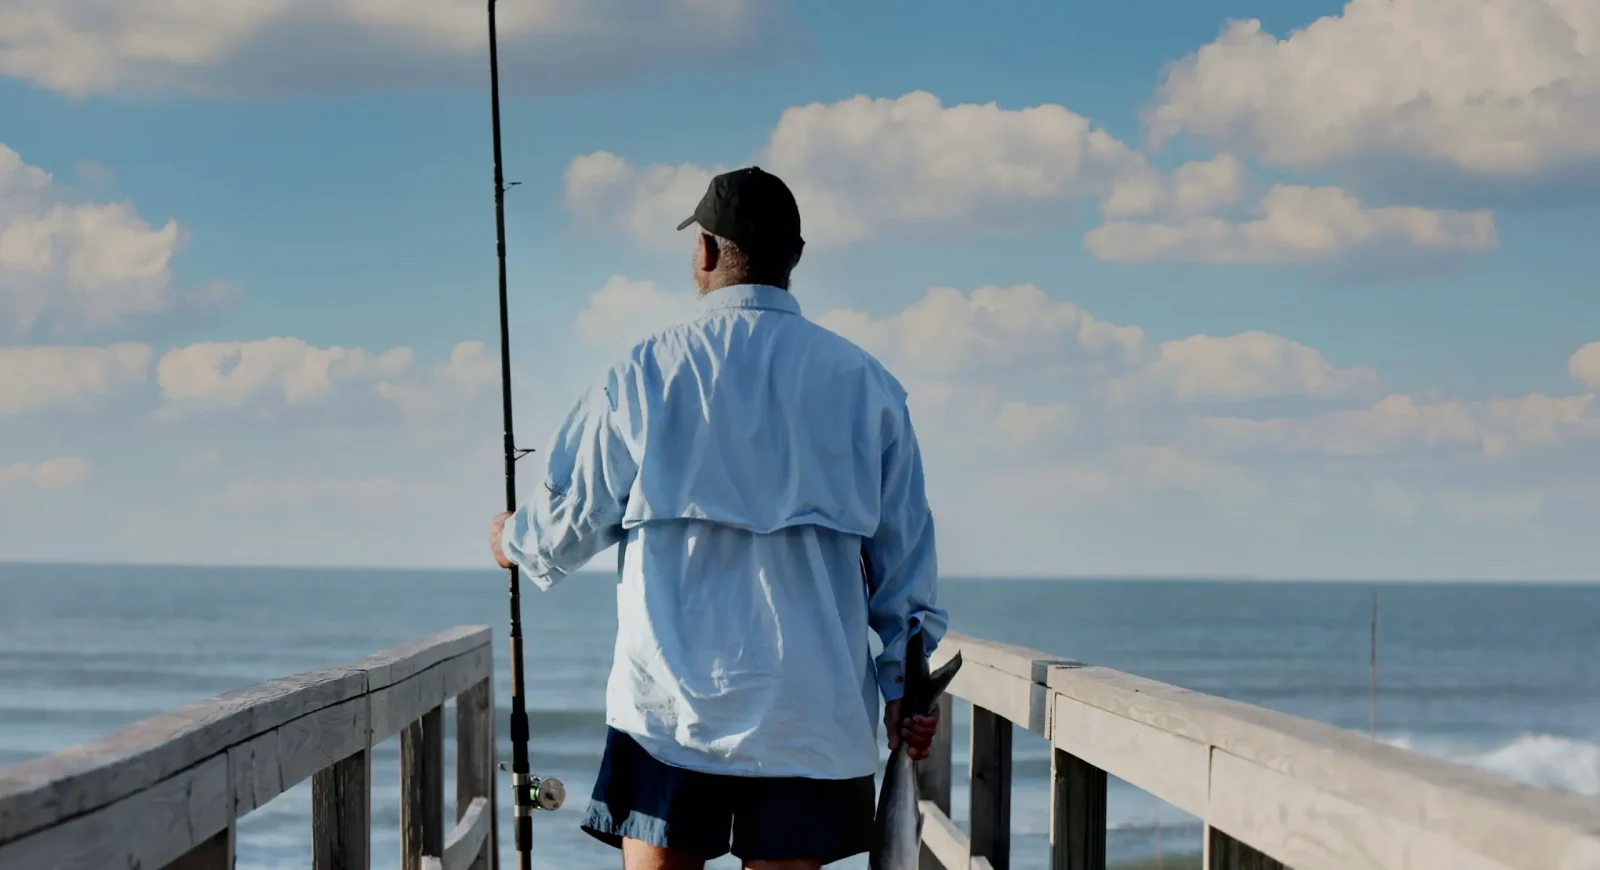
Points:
[763,296]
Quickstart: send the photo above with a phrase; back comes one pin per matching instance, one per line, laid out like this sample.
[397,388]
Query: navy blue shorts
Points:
[757,818]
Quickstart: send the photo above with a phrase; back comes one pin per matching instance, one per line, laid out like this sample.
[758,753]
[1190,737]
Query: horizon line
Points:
[959,576]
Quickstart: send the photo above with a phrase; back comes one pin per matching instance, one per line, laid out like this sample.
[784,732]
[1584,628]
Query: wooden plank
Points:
[422,789]
[1223,852]
[475,757]
[280,759]
[1027,664]
[1311,830]
[399,704]
[151,828]
[467,670]
[215,853]
[464,845]
[1024,703]
[943,838]
[1170,767]
[392,666]
[1077,813]
[341,814]
[86,777]
[1517,825]
[990,804]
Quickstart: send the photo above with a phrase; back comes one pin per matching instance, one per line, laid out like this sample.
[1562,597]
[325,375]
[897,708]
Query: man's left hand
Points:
[496,527]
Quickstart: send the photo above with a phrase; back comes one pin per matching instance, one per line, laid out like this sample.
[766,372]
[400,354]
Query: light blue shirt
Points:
[747,461]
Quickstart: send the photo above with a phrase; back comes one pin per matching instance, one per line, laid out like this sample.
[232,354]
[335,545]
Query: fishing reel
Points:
[542,793]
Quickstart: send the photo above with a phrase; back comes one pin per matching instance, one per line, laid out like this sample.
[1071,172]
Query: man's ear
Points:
[708,253]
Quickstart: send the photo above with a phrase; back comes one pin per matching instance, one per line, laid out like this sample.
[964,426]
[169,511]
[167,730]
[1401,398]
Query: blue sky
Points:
[1286,289]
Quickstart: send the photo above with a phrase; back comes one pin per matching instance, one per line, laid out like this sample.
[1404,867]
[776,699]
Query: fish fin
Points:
[940,679]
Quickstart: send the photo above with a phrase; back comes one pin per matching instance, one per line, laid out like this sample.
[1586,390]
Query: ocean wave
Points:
[1547,761]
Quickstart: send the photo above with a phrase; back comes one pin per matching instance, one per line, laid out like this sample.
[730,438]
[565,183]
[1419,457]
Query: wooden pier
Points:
[1272,790]
[166,792]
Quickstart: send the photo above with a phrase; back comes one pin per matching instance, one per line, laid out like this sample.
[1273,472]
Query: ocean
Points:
[1501,677]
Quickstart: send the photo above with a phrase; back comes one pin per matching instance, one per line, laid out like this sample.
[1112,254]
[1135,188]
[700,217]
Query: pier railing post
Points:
[213,854]
[341,814]
[422,789]
[1077,813]
[990,819]
[1223,852]
[475,759]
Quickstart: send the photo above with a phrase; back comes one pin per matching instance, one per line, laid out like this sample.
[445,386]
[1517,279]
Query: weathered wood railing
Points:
[1273,790]
[166,792]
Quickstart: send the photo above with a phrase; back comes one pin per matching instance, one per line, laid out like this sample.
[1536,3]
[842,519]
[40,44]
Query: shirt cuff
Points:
[892,680]
[543,574]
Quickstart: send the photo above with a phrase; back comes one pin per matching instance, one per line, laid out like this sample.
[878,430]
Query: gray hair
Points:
[760,266]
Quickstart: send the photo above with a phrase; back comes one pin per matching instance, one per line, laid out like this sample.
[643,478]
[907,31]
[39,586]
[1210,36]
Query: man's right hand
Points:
[496,529]
[916,731]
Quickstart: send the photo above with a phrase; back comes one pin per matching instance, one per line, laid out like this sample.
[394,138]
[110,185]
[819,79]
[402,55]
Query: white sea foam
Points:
[1543,760]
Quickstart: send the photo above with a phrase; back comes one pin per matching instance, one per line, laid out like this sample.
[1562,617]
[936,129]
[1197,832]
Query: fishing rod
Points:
[529,793]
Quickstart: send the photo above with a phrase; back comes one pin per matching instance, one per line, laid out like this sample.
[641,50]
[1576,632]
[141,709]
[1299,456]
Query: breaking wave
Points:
[1546,761]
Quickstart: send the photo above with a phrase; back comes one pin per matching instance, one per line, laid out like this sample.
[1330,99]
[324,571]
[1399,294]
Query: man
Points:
[763,483]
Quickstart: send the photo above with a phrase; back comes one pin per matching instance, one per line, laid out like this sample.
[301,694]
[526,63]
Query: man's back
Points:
[754,417]
[747,460]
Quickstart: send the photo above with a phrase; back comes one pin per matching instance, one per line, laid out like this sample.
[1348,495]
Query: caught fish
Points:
[899,819]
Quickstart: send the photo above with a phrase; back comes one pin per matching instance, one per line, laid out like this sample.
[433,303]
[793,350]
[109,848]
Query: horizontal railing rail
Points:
[1272,790]
[166,792]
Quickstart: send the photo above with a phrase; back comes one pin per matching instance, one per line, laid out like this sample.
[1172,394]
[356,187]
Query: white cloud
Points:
[51,475]
[1023,423]
[643,203]
[1494,509]
[862,166]
[233,373]
[1249,365]
[948,331]
[975,417]
[200,463]
[1199,187]
[450,386]
[1495,428]
[1497,87]
[624,311]
[1395,501]
[68,266]
[253,494]
[84,47]
[1022,329]
[1124,474]
[1585,364]
[1296,224]
[32,378]
[287,379]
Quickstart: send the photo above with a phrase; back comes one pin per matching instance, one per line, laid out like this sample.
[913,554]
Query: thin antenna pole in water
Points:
[521,787]
[1374,689]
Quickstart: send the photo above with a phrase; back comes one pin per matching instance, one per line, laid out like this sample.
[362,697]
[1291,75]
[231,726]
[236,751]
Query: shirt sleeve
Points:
[902,568]
[576,511]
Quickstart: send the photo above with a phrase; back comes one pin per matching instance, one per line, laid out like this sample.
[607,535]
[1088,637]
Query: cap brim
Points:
[686,221]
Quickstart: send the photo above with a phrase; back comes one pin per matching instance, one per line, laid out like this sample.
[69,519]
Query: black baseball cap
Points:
[750,207]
